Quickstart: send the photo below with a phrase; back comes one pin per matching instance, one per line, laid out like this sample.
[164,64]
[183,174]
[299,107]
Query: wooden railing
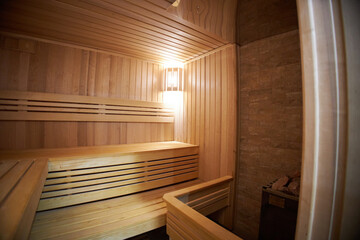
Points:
[188,207]
[36,106]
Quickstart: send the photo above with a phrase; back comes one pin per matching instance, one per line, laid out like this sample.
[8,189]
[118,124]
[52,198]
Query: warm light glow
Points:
[174,72]
[176,3]
[174,64]
[173,84]
[173,99]
[172,78]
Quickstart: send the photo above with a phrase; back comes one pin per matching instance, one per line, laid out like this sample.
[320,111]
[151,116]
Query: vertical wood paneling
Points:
[214,163]
[59,69]
[207,155]
[149,82]
[159,85]
[209,116]
[198,102]
[202,116]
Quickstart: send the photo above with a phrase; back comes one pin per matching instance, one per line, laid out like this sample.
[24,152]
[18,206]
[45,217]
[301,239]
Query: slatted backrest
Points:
[35,106]
[72,181]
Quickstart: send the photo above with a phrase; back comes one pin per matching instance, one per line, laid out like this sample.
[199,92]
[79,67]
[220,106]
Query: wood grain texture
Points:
[21,185]
[86,174]
[187,210]
[35,106]
[117,218]
[52,68]
[138,29]
[217,17]
[208,116]
[270,105]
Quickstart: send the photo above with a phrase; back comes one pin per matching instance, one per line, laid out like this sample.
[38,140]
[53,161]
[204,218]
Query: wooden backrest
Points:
[94,173]
[21,183]
[36,106]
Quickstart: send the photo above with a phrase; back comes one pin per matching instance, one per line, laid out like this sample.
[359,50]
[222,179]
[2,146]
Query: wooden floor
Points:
[117,218]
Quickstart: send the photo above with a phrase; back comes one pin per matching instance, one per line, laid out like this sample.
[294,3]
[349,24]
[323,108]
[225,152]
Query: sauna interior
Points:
[146,119]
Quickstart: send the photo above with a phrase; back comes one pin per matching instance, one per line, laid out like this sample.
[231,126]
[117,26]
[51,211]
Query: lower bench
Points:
[106,191]
[117,218]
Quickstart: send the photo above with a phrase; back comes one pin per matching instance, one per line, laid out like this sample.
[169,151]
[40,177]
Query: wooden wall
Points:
[28,65]
[270,124]
[208,114]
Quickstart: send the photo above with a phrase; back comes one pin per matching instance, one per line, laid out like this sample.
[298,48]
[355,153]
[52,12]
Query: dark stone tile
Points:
[258,19]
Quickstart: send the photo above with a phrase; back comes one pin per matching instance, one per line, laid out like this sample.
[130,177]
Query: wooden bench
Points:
[109,191]
[21,183]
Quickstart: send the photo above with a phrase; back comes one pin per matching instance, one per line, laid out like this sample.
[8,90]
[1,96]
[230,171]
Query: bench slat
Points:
[17,209]
[105,183]
[100,173]
[116,218]
[5,166]
[61,164]
[63,154]
[54,176]
[101,209]
[63,201]
[94,179]
[12,176]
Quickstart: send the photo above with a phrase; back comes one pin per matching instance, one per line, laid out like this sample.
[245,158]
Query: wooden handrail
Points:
[187,209]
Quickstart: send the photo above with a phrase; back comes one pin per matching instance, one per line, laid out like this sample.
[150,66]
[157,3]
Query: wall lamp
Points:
[174,84]
[174,77]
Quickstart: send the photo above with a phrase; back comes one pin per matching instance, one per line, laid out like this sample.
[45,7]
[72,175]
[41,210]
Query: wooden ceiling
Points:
[142,29]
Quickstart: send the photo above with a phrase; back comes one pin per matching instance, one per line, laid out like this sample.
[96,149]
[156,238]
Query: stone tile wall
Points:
[270,95]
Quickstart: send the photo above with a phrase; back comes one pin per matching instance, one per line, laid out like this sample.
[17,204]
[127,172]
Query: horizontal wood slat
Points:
[74,199]
[78,174]
[100,174]
[37,106]
[139,29]
[117,218]
[106,183]
[188,207]
[60,156]
[108,174]
[21,182]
